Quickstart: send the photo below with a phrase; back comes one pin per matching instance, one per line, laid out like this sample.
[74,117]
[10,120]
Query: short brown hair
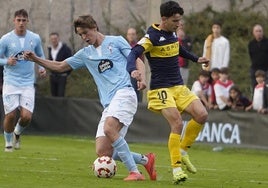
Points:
[204,73]
[224,70]
[54,33]
[21,12]
[85,21]
[217,22]
[260,73]
[216,70]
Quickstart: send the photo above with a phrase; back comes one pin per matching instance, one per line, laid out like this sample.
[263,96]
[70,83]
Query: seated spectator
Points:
[202,88]
[222,87]
[238,101]
[258,94]
[214,76]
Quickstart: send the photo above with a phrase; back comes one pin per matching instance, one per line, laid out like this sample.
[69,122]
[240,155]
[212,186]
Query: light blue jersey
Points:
[107,64]
[23,73]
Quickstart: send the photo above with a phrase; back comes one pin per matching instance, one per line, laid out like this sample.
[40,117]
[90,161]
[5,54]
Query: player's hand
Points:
[12,61]
[203,60]
[141,85]
[42,73]
[28,55]
[136,74]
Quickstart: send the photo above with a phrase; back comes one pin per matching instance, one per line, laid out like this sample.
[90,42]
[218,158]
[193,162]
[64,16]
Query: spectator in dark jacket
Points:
[258,52]
[58,51]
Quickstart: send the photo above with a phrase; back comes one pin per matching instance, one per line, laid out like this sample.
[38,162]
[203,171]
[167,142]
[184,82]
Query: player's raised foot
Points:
[8,149]
[179,177]
[134,176]
[189,166]
[150,166]
[16,140]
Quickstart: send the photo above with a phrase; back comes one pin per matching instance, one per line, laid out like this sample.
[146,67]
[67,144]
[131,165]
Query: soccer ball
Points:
[104,167]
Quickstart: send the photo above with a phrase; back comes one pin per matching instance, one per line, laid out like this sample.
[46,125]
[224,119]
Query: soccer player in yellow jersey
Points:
[168,95]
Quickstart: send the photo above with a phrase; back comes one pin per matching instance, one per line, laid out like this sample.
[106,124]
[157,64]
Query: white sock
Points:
[18,129]
[183,152]
[175,170]
[144,159]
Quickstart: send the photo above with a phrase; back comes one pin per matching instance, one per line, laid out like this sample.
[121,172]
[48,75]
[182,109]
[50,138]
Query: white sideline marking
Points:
[209,169]
[254,181]
[39,171]
[46,159]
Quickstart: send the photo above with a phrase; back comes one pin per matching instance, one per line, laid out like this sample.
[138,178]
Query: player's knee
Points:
[25,120]
[110,130]
[202,117]
[107,130]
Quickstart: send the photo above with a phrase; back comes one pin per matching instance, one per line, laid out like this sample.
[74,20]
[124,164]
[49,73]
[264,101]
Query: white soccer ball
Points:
[104,167]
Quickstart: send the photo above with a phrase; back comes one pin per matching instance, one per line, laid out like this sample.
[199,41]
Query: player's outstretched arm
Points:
[55,66]
[141,78]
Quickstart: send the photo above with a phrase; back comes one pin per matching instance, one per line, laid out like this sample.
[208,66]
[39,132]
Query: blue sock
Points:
[121,148]
[8,139]
[138,158]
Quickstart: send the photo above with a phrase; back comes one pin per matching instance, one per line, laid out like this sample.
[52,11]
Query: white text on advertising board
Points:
[219,133]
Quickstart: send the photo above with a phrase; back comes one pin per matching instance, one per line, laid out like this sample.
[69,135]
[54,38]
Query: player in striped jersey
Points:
[168,95]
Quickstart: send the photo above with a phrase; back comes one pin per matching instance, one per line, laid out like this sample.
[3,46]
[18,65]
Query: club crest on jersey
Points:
[105,64]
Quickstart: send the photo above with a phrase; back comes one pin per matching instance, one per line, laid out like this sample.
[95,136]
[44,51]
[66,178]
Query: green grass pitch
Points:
[64,161]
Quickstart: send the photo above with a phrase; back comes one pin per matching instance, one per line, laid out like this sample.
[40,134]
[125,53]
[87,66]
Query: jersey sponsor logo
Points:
[104,65]
[20,56]
[168,50]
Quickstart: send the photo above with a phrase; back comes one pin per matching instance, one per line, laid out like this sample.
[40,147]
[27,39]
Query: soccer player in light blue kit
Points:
[19,77]
[105,58]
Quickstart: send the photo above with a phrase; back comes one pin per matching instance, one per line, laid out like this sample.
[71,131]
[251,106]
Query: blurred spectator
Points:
[238,101]
[202,88]
[132,39]
[222,87]
[186,42]
[214,76]
[258,94]
[58,51]
[265,95]
[258,52]
[132,36]
[216,48]
[1,78]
